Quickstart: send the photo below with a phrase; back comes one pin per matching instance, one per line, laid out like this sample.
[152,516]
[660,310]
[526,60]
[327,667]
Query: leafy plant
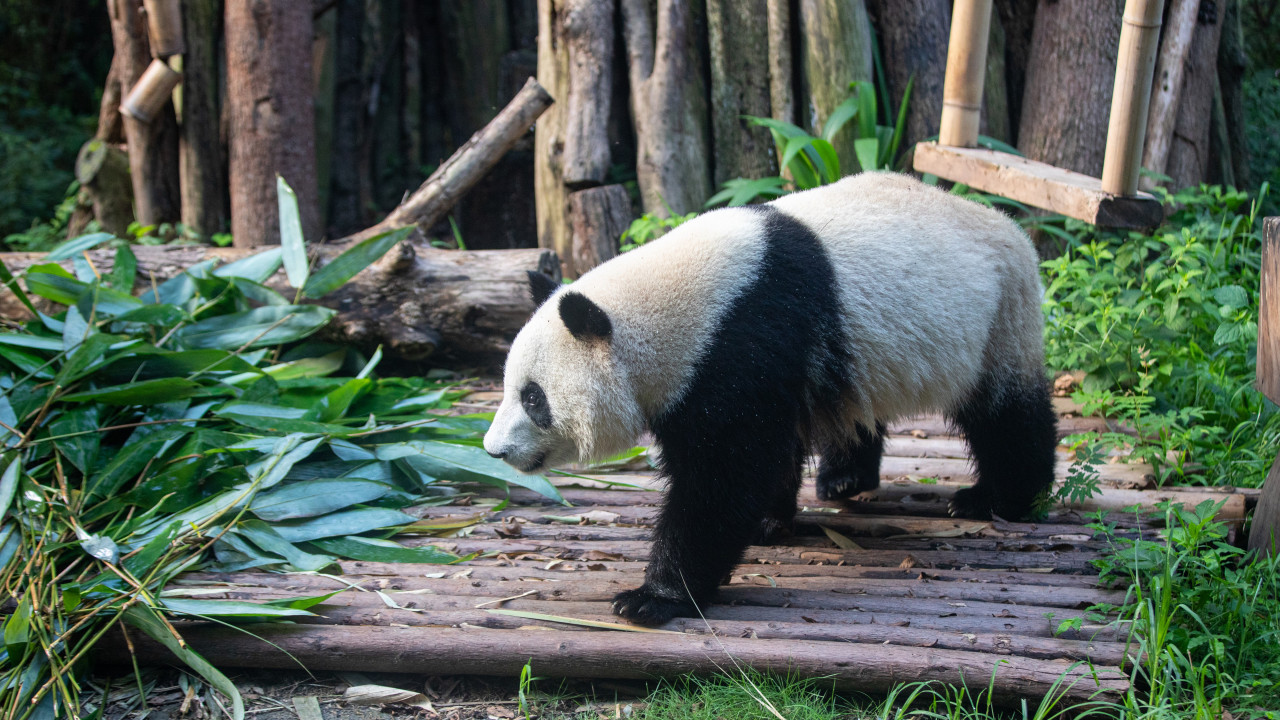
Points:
[812,161]
[649,227]
[194,426]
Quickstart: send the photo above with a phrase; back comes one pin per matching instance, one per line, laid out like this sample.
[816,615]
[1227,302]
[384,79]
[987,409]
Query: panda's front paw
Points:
[836,485]
[646,607]
[970,503]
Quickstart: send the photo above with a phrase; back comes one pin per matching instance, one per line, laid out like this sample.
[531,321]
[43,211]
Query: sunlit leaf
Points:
[382,551]
[309,498]
[262,326]
[78,245]
[349,264]
[345,522]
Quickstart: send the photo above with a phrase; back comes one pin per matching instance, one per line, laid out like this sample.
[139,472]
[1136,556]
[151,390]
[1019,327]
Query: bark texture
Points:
[201,162]
[1017,22]
[1232,64]
[782,99]
[588,26]
[1188,163]
[346,212]
[550,193]
[153,146]
[836,49]
[668,105]
[913,37]
[272,129]
[1070,75]
[597,217]
[1166,89]
[102,169]
[741,82]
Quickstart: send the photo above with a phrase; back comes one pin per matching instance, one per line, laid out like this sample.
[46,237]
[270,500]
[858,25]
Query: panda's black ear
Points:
[541,286]
[585,319]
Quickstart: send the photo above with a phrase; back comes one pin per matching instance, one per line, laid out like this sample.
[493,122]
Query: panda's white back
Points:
[934,290]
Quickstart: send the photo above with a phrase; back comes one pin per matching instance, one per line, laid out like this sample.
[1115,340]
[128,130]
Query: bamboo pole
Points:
[151,92]
[1135,66]
[966,70]
[164,25]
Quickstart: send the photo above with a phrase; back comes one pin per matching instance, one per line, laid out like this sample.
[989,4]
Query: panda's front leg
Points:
[715,507]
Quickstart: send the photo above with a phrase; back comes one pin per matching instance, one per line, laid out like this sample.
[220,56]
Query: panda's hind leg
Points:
[1012,431]
[851,465]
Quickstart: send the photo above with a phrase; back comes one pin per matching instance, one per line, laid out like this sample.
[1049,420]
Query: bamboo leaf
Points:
[472,460]
[349,264]
[346,522]
[868,152]
[292,244]
[229,608]
[265,537]
[9,484]
[841,541]
[12,285]
[38,342]
[302,603]
[310,498]
[370,550]
[78,245]
[145,392]
[258,267]
[259,327]
[584,623]
[124,271]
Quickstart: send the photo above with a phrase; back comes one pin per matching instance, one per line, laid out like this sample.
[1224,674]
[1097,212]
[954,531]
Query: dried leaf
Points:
[383,695]
[841,541]
[584,623]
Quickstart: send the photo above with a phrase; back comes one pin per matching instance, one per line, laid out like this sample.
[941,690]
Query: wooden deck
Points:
[915,596]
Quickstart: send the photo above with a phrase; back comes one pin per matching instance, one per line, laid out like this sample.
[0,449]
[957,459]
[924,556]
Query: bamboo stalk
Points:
[966,72]
[1135,65]
[147,96]
[164,25]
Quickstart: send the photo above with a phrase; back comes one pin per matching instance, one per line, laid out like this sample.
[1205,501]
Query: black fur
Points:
[534,402]
[733,444]
[851,465]
[541,286]
[586,320]
[1012,433]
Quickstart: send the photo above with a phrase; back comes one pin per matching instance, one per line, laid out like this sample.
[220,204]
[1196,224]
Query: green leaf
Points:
[153,315]
[345,522]
[347,265]
[28,363]
[259,327]
[16,628]
[124,271]
[866,94]
[181,287]
[241,409]
[258,267]
[78,245]
[899,127]
[265,537]
[334,405]
[81,423]
[13,286]
[130,461]
[52,286]
[302,603]
[472,460]
[145,619]
[228,608]
[292,245]
[141,562]
[258,293]
[39,342]
[830,161]
[1232,296]
[310,498]
[145,392]
[868,152]
[370,550]
[9,484]
[844,112]
[148,362]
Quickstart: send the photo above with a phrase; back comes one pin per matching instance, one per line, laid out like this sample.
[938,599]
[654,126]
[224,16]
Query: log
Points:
[835,46]
[433,199]
[1171,64]
[102,170]
[272,118]
[1265,533]
[597,219]
[740,85]
[456,307]
[550,192]
[201,155]
[1188,164]
[913,39]
[668,106]
[588,26]
[568,653]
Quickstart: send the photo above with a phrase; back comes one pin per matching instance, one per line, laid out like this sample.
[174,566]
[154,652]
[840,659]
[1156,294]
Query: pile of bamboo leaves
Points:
[193,426]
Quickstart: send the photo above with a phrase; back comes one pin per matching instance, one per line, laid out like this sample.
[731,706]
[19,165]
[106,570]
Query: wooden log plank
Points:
[938,425]
[1045,186]
[627,655]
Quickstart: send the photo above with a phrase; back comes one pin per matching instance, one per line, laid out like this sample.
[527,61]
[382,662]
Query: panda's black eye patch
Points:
[534,402]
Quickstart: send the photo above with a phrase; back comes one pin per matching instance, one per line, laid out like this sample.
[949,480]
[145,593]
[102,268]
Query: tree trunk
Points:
[740,85]
[597,217]
[272,119]
[913,37]
[550,193]
[201,163]
[588,26]
[110,124]
[995,88]
[1232,63]
[346,213]
[1188,164]
[782,97]
[153,146]
[1070,75]
[1171,64]
[1017,22]
[836,47]
[457,307]
[102,169]
[668,104]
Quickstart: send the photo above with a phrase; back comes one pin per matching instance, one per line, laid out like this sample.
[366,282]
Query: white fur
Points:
[935,290]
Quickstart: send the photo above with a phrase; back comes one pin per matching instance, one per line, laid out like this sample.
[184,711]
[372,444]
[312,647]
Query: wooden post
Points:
[1265,533]
[597,218]
[588,26]
[1162,115]
[149,95]
[966,70]
[1135,64]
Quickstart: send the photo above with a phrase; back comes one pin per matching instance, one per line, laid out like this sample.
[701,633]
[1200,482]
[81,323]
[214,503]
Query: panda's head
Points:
[567,397]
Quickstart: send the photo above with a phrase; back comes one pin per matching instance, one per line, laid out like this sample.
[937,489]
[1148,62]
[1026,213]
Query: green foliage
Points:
[1165,327]
[194,426]
[1205,615]
[651,227]
[1261,100]
[813,161]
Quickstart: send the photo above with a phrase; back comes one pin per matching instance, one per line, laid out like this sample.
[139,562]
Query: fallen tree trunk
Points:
[460,308]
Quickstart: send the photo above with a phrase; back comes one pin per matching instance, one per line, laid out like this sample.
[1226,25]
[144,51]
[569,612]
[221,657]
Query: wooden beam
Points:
[1265,533]
[966,70]
[1135,64]
[1034,183]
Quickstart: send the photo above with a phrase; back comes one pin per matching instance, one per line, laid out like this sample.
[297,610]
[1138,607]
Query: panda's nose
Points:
[499,455]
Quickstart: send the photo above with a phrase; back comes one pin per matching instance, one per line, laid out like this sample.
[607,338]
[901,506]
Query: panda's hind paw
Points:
[645,607]
[970,503]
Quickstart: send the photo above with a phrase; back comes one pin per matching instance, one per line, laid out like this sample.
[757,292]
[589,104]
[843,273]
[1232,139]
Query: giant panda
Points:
[748,337]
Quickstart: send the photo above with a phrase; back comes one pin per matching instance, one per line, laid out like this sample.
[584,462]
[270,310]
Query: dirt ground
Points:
[280,695]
